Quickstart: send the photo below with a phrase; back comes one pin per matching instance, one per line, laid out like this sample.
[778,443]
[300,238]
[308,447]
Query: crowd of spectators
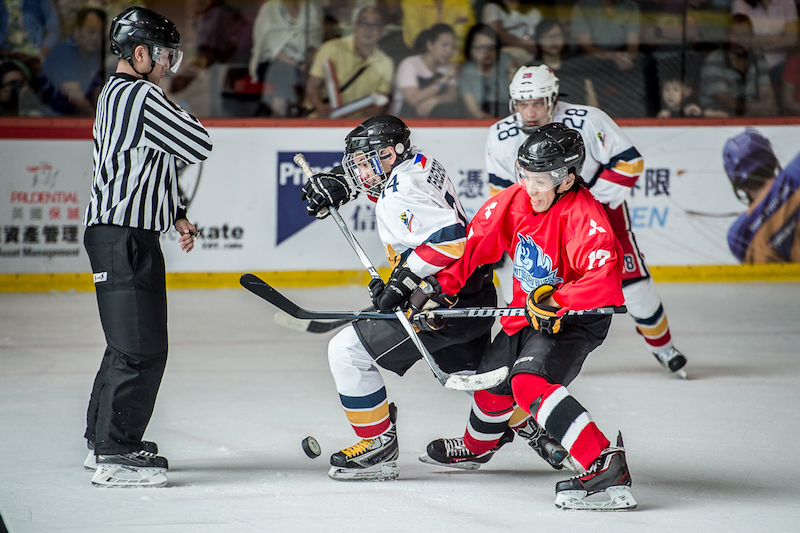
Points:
[418,58]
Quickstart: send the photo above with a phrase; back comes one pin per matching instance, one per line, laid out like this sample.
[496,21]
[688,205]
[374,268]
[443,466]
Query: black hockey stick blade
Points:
[311,326]
[264,290]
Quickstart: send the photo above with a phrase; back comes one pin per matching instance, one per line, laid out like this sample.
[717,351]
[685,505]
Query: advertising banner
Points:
[245,199]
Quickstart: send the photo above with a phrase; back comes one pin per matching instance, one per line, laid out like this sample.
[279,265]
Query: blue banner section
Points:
[292,215]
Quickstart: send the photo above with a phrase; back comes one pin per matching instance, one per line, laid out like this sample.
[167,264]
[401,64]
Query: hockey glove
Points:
[326,189]
[426,297]
[395,292]
[542,317]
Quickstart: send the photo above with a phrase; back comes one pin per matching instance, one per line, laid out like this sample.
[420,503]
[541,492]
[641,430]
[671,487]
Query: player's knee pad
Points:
[528,390]
[492,403]
[641,298]
[352,367]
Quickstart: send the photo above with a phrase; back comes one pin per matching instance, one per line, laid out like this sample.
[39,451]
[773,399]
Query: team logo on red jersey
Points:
[532,266]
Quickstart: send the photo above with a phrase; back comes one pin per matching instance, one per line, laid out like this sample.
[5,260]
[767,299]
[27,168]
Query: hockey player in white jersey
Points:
[422,226]
[612,167]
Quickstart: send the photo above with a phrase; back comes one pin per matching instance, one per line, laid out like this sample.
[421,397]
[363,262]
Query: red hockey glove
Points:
[542,317]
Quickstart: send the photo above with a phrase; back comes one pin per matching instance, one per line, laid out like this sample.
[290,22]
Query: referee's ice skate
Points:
[369,459]
[606,485]
[133,469]
[91,460]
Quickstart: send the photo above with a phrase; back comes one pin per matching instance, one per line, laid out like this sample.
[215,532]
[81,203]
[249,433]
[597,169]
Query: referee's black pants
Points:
[128,269]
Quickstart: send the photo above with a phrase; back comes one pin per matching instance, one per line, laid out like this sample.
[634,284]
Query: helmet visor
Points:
[539,182]
[364,170]
[169,58]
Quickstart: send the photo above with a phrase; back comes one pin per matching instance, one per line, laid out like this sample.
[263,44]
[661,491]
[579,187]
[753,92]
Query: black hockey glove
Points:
[326,189]
[542,317]
[395,293]
[426,297]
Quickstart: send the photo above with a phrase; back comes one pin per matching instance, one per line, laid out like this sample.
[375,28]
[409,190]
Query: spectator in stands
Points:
[678,98]
[735,80]
[223,44]
[571,72]
[421,14]
[17,98]
[73,69]
[607,32]
[392,43]
[29,29]
[485,75]
[426,83]
[790,90]
[356,65]
[515,22]
[774,31]
[285,35]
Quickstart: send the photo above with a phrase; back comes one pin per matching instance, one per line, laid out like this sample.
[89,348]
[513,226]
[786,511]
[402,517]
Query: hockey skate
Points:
[91,461]
[673,361]
[606,485]
[133,469]
[455,454]
[547,447]
[369,459]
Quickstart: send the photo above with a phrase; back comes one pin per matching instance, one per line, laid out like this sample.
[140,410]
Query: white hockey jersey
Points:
[420,220]
[612,163]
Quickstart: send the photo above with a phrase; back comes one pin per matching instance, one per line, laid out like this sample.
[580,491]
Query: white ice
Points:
[716,453]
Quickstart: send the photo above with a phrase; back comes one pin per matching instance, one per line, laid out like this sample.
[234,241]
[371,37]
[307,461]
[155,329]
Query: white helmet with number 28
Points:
[532,83]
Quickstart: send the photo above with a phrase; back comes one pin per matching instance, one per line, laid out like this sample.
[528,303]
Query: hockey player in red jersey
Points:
[613,165]
[565,256]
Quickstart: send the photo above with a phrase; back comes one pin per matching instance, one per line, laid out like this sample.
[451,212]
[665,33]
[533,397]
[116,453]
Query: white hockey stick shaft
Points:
[449,381]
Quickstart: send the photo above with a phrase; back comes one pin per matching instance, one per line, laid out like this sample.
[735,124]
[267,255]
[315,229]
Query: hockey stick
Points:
[264,290]
[311,326]
[474,382]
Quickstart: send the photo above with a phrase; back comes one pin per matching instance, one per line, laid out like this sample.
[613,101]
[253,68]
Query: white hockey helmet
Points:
[532,83]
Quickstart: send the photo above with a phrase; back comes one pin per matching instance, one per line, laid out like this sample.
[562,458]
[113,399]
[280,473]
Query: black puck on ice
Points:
[311,447]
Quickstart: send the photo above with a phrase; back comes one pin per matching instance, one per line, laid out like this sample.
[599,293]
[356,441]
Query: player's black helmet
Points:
[366,144]
[552,147]
[138,25]
[749,161]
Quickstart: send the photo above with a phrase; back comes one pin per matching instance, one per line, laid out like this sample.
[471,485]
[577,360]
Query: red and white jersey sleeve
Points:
[420,220]
[571,246]
[612,163]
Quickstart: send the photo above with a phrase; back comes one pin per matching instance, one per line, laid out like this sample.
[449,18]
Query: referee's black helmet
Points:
[139,25]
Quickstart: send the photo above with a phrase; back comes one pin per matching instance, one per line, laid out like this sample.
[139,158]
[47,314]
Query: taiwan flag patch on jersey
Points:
[420,161]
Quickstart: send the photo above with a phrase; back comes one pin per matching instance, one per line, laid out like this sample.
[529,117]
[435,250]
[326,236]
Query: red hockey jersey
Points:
[570,246]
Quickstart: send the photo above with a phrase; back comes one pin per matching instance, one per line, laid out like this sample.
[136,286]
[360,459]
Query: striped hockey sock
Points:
[561,415]
[488,421]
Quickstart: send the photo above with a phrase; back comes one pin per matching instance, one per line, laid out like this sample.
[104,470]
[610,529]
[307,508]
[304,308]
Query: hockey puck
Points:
[311,447]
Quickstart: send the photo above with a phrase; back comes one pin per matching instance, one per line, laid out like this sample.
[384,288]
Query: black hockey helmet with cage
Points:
[139,25]
[379,132]
[552,147]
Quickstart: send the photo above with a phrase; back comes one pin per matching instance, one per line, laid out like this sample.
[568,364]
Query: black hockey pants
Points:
[128,269]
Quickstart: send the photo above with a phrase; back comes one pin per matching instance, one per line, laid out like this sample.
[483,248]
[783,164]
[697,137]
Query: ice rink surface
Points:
[715,453]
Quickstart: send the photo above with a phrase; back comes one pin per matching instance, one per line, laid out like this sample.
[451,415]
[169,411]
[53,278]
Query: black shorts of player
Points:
[557,358]
[458,346]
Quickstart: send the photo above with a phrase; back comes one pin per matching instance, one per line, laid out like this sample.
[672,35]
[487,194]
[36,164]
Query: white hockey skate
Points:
[369,459]
[673,361]
[134,469]
[606,485]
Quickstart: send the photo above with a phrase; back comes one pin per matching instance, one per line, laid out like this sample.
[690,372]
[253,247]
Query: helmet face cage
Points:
[364,171]
[532,83]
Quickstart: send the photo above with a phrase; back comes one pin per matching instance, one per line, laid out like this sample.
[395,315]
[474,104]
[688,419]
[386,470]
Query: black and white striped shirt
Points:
[138,137]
